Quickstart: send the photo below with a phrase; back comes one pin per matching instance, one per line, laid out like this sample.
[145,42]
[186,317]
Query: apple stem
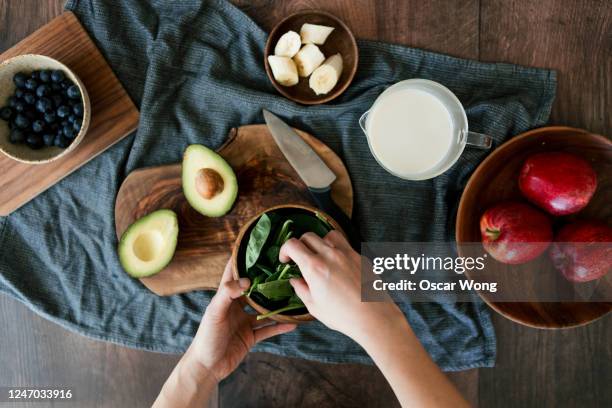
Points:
[493,234]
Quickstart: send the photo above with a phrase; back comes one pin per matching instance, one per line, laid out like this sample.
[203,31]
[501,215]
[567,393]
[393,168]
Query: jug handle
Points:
[479,140]
[362,121]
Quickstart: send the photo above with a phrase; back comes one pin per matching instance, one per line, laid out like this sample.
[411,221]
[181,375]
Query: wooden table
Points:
[534,368]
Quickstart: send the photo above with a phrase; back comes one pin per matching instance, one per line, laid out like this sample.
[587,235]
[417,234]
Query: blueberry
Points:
[42,90]
[61,141]
[38,126]
[50,117]
[45,75]
[48,139]
[77,126]
[17,136]
[69,132]
[55,87]
[71,118]
[31,84]
[21,121]
[34,141]
[20,79]
[19,93]
[57,100]
[44,104]
[6,113]
[12,101]
[19,107]
[78,109]
[30,114]
[73,92]
[63,111]
[65,84]
[34,75]
[64,123]
[29,98]
[57,76]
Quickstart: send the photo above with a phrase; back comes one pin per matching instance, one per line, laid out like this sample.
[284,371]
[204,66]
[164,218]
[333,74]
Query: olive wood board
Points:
[496,180]
[113,114]
[265,179]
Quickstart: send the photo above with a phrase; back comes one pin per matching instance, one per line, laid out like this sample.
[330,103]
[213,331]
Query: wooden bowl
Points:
[238,254]
[495,180]
[29,63]
[340,40]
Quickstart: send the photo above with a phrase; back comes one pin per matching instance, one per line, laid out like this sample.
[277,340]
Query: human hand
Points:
[227,332]
[331,287]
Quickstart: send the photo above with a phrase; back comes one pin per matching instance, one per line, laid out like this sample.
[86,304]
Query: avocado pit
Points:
[208,183]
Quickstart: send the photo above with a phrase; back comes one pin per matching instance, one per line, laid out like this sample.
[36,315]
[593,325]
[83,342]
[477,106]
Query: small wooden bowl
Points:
[29,63]
[238,254]
[340,40]
[496,180]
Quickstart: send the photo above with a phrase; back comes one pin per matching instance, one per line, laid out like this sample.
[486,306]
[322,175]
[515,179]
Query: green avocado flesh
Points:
[148,245]
[209,182]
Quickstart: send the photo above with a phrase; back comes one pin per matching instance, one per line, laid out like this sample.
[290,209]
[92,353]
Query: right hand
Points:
[331,287]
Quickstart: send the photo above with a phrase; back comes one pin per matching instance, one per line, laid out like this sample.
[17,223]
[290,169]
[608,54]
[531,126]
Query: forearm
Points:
[414,377]
[190,385]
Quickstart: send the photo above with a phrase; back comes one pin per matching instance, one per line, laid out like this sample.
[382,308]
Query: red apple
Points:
[577,260]
[561,183]
[514,232]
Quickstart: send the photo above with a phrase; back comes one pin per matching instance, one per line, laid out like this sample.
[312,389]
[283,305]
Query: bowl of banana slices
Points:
[311,57]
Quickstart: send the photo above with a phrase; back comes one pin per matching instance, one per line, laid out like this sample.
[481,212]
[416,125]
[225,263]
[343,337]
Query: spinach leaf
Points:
[256,281]
[281,310]
[308,223]
[264,269]
[257,240]
[272,254]
[276,290]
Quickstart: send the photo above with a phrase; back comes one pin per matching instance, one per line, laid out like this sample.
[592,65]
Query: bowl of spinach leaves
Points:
[256,256]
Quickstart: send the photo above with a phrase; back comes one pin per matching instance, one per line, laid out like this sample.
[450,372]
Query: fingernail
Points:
[244,282]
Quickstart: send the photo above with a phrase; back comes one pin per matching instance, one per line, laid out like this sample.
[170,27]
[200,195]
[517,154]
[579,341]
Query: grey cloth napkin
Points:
[195,69]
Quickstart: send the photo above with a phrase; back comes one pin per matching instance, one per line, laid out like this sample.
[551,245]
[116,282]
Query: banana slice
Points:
[308,59]
[324,78]
[284,70]
[288,45]
[314,34]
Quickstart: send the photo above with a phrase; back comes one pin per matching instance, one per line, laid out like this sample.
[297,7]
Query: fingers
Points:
[301,289]
[228,291]
[272,330]
[295,250]
[337,240]
[228,272]
[314,242]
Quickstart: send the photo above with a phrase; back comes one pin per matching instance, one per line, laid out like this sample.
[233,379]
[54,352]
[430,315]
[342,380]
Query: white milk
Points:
[410,131]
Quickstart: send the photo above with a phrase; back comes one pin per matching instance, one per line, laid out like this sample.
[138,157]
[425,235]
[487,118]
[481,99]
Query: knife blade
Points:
[312,170]
[308,165]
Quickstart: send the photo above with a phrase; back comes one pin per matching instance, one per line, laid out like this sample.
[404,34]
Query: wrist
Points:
[386,322]
[193,368]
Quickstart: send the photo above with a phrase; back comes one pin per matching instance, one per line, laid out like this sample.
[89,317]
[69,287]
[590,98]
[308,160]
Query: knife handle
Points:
[324,201]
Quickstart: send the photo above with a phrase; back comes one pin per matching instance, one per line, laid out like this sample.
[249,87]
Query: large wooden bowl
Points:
[496,179]
[341,40]
[238,255]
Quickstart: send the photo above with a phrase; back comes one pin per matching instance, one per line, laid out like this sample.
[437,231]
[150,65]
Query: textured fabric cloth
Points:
[195,69]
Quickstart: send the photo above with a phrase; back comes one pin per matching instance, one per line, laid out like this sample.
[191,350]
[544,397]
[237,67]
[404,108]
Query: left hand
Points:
[227,332]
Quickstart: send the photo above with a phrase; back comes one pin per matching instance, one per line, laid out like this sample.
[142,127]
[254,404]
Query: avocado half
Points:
[209,182]
[148,245]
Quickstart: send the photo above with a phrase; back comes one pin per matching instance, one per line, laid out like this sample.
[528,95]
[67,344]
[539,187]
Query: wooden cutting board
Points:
[265,179]
[113,115]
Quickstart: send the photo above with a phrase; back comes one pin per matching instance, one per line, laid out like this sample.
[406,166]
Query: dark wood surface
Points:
[113,114]
[534,367]
[204,244]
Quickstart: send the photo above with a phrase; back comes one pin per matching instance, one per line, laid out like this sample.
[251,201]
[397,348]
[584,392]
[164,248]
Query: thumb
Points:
[301,289]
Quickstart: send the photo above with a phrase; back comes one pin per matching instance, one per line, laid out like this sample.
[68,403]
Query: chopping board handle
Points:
[324,201]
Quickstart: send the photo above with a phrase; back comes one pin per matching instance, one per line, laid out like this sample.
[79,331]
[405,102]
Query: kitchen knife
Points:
[312,170]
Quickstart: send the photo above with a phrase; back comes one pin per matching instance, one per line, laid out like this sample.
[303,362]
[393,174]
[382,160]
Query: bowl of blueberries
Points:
[44,109]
